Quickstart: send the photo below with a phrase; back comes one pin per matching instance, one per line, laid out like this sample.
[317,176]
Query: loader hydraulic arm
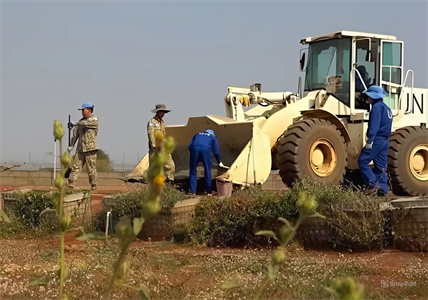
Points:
[237,98]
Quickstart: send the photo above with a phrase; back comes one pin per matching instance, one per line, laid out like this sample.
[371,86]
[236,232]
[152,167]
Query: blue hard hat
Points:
[375,92]
[209,131]
[86,105]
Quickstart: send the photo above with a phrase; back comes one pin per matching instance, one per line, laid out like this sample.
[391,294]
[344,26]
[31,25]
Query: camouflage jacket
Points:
[86,131]
[155,125]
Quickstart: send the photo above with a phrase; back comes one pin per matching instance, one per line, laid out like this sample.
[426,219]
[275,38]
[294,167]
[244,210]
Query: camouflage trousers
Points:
[81,159]
[169,167]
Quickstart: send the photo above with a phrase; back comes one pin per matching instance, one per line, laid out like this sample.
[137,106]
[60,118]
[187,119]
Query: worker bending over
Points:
[376,148]
[201,147]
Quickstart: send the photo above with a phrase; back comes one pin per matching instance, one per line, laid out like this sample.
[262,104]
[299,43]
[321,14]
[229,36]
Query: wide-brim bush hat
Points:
[160,107]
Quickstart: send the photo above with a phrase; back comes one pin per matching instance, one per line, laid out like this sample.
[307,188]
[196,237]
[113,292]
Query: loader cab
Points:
[329,67]
[345,63]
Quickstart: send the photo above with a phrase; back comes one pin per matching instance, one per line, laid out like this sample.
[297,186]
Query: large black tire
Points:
[294,151]
[402,142]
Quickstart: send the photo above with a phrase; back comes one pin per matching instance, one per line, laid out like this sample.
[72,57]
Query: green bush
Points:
[181,234]
[25,214]
[128,204]
[103,162]
[31,214]
[29,205]
[234,220]
[353,216]
[14,228]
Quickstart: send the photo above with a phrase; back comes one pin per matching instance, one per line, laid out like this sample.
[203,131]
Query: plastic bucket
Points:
[224,188]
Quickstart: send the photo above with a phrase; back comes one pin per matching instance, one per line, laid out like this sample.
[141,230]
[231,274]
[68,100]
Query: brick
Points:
[410,224]
[157,228]
[182,214]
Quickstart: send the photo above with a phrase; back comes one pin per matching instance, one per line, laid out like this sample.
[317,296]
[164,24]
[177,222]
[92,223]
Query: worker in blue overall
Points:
[201,147]
[376,148]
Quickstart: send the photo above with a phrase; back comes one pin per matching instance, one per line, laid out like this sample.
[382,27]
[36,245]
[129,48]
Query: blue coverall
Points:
[378,132]
[201,146]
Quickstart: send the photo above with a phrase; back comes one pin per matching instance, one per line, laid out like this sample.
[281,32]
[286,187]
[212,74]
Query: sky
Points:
[125,57]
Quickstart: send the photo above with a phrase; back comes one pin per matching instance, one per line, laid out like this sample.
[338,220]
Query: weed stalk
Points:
[127,232]
[64,219]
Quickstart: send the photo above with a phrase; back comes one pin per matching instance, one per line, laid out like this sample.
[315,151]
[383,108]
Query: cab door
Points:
[391,72]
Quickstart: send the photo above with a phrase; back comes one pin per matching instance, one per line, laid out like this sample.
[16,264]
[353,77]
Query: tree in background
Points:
[103,162]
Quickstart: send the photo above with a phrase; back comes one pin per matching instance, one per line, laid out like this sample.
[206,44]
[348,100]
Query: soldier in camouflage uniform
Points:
[85,131]
[156,124]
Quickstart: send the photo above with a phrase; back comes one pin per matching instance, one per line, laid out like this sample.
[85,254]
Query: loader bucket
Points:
[237,146]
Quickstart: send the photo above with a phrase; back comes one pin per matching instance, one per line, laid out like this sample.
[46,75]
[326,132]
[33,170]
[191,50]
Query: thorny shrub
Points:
[128,204]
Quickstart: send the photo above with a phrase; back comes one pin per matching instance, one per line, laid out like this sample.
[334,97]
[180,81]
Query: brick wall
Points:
[410,223]
[45,178]
[9,199]
[160,226]
[77,205]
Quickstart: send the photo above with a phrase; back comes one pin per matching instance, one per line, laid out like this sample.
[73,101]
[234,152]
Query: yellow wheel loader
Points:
[320,130]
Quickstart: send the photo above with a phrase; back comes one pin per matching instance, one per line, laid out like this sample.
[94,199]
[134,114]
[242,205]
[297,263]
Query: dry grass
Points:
[28,270]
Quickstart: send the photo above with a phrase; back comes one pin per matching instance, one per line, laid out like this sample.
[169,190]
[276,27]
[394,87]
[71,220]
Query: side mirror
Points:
[302,61]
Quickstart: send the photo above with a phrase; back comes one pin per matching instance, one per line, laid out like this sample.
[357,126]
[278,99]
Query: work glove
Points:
[69,149]
[70,125]
[368,146]
[221,165]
